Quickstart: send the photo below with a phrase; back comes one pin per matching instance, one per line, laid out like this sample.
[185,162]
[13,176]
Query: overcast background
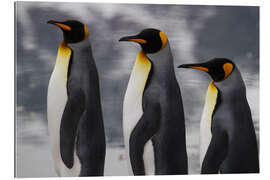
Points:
[196,34]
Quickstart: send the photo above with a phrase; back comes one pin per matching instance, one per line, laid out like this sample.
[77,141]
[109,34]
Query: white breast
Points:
[132,110]
[205,125]
[56,102]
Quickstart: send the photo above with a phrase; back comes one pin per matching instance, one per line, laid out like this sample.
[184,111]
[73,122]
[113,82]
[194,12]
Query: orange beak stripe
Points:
[142,41]
[200,68]
[63,26]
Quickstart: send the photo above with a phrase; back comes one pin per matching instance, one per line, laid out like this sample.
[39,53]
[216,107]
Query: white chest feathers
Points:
[56,102]
[132,110]
[205,125]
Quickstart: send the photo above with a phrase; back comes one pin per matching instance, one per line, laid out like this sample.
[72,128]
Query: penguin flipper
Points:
[143,131]
[68,129]
[91,145]
[215,154]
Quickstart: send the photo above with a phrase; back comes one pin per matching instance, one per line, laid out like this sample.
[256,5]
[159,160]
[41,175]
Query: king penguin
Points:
[74,112]
[228,141]
[153,115]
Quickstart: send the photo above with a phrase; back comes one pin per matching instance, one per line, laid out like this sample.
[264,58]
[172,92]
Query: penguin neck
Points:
[62,60]
[233,87]
[81,50]
[63,50]
[162,64]
[83,43]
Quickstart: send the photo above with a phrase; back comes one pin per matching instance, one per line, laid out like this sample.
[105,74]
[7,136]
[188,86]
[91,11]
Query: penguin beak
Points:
[60,24]
[200,67]
[136,39]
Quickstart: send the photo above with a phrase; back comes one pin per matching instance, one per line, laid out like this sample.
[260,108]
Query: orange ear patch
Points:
[86,33]
[163,38]
[227,67]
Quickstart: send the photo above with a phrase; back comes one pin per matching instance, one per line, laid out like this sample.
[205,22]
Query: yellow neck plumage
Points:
[62,61]
[211,99]
[205,124]
[141,70]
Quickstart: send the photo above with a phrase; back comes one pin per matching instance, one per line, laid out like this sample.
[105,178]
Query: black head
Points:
[151,40]
[74,31]
[218,68]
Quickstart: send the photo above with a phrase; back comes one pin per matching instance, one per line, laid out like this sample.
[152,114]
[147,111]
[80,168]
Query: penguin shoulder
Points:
[152,95]
[223,117]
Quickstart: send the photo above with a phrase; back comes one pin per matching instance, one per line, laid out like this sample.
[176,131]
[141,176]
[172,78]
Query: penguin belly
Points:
[132,110]
[205,124]
[56,102]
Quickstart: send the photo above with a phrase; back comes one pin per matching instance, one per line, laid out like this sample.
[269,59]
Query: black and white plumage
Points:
[153,116]
[228,140]
[75,120]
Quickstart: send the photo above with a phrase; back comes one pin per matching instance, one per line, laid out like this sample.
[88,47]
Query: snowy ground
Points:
[34,159]
[33,156]
[37,162]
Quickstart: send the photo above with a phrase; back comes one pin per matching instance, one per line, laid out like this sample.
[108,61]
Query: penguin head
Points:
[218,68]
[74,31]
[151,40]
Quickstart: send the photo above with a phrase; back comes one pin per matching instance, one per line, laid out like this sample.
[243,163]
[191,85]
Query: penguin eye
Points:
[155,41]
[216,72]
